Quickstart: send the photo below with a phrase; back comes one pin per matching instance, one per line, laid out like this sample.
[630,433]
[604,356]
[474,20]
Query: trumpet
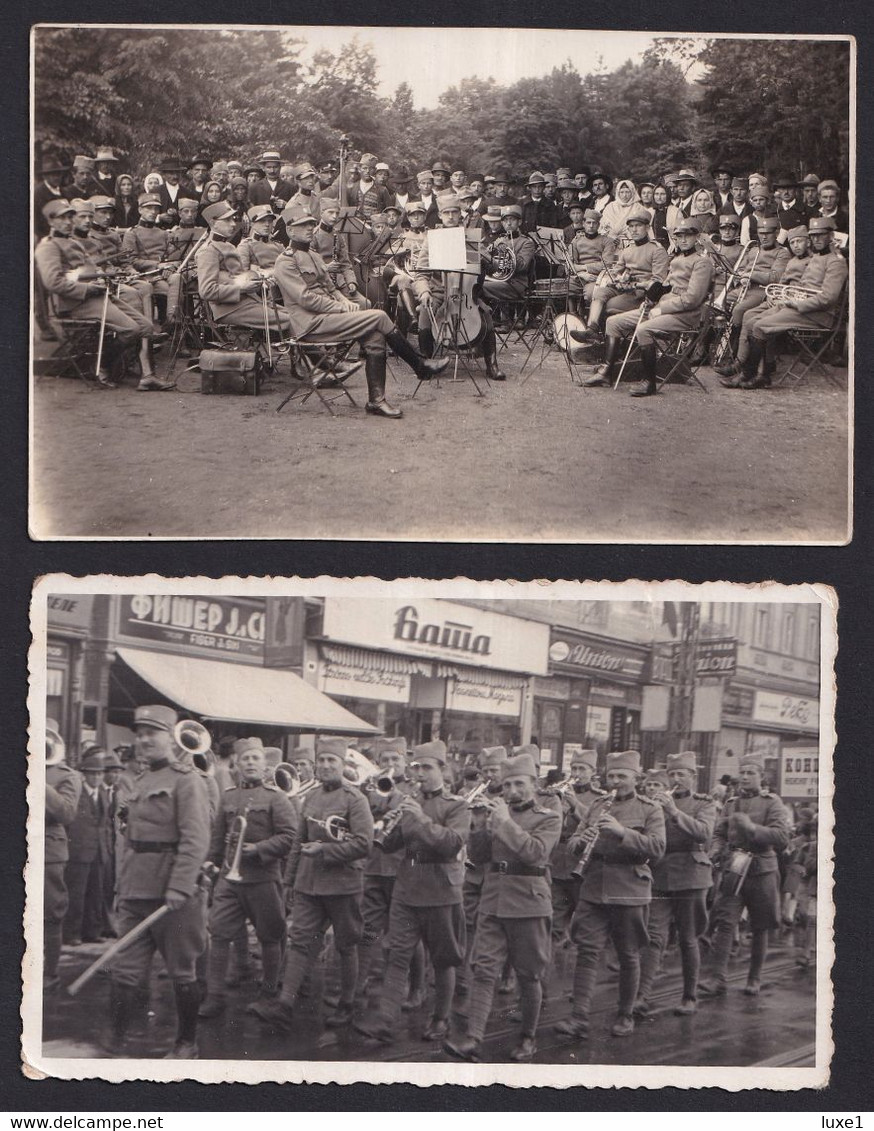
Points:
[564,788]
[192,737]
[234,849]
[779,294]
[590,844]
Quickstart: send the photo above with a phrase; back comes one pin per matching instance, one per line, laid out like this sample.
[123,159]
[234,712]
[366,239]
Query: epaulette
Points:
[229,788]
[181,768]
[701,797]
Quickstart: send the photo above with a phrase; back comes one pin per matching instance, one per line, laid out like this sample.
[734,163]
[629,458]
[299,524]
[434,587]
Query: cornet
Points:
[335,826]
[476,799]
[234,850]
[192,737]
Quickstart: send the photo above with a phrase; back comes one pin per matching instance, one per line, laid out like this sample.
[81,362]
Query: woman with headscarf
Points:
[616,212]
[152,181]
[703,211]
[238,198]
[127,213]
[659,208]
[212,193]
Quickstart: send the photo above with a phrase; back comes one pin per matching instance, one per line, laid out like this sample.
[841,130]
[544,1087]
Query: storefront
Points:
[69,620]
[430,669]
[592,696]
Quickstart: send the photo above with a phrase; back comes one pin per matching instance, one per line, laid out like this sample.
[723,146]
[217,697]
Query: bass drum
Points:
[564,323]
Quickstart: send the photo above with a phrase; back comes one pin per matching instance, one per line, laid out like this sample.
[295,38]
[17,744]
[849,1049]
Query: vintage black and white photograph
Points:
[441,284]
[439,832]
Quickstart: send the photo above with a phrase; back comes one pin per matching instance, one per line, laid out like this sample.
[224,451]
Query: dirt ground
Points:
[535,458]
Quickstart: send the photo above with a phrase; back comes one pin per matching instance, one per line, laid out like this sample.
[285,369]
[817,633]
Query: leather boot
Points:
[424,368]
[490,357]
[121,1004]
[187,1004]
[731,367]
[751,367]
[377,405]
[648,387]
[426,343]
[603,374]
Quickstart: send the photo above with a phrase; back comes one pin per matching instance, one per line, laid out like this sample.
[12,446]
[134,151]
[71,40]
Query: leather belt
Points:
[614,860]
[424,858]
[152,846]
[508,868]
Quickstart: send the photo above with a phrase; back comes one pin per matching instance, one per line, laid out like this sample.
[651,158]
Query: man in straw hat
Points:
[681,880]
[629,836]
[756,823]
[512,839]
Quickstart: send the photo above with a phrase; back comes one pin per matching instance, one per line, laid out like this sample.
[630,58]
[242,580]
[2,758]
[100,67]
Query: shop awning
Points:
[241,693]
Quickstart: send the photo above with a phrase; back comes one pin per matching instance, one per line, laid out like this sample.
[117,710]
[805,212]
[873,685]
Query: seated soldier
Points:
[523,249]
[182,242]
[590,253]
[398,272]
[147,244]
[334,250]
[318,311]
[259,249]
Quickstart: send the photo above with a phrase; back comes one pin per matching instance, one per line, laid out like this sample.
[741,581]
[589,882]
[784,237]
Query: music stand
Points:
[550,244]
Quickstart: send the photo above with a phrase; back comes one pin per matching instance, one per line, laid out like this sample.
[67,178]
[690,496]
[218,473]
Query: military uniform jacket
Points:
[214,283]
[167,835]
[770,265]
[592,252]
[380,862]
[689,277]
[180,240]
[645,262]
[826,273]
[325,243]
[414,241]
[271,823]
[308,290]
[525,841]
[55,257]
[686,865]
[563,860]
[619,869]
[524,248]
[146,245]
[255,252]
[795,269]
[107,242]
[771,830]
[432,870]
[474,874]
[339,868]
[63,786]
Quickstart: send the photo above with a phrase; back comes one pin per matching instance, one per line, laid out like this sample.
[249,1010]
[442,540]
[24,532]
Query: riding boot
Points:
[769,361]
[730,367]
[149,381]
[604,373]
[216,996]
[424,367]
[121,1004]
[751,379]
[187,1004]
[490,357]
[648,387]
[426,342]
[377,405]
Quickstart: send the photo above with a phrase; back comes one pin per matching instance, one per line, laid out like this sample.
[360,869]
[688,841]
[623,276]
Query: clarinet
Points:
[590,844]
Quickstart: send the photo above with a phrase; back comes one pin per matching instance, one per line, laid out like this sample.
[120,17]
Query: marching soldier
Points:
[326,875]
[629,835]
[166,839]
[689,278]
[653,783]
[63,786]
[255,893]
[681,880]
[757,826]
[512,839]
[575,808]
[426,904]
[524,249]
[317,310]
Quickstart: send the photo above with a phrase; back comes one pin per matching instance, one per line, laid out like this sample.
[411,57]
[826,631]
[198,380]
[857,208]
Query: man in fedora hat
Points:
[399,184]
[252,892]
[426,904]
[759,825]
[808,188]
[198,172]
[538,211]
[498,193]
[51,173]
[628,832]
[325,872]
[681,880]
[165,842]
[441,172]
[790,212]
[171,189]
[273,189]
[512,839]
[685,183]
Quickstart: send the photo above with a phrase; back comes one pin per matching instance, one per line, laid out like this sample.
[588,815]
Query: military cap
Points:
[383,165]
[328,200]
[147,198]
[657,776]
[294,216]
[466,193]
[519,764]
[259,212]
[493,212]
[389,746]
[424,173]
[158,717]
[93,760]
[624,760]
[587,757]
[51,165]
[740,182]
[305,169]
[752,761]
[809,179]
[242,745]
[273,755]
[82,162]
[170,165]
[102,202]
[393,206]
[302,754]
[820,224]
[784,180]
[201,159]
[797,233]
[829,184]
[492,756]
[768,224]
[511,210]
[729,220]
[82,205]
[567,183]
[415,206]
[591,214]
[684,760]
[336,747]
[638,215]
[440,167]
[184,202]
[57,208]
[686,175]
[536,179]
[105,154]
[447,201]
[221,210]
[112,762]
[431,751]
[685,227]
[271,155]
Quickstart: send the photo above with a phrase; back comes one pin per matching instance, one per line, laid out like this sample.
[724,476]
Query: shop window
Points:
[762,627]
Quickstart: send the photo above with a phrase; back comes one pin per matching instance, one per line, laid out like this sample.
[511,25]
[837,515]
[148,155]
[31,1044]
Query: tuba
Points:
[778,294]
[192,737]
[287,779]
[503,261]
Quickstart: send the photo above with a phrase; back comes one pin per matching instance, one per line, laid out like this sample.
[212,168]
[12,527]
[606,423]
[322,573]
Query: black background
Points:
[846,568]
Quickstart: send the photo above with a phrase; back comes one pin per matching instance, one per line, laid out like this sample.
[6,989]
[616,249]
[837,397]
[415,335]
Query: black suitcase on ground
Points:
[230,371]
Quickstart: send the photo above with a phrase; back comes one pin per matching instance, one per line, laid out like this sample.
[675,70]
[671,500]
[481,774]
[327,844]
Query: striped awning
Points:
[480,675]
[375,661]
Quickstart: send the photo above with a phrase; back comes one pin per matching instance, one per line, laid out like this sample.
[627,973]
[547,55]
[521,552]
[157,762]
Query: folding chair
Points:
[685,351]
[813,344]
[76,338]
[313,365]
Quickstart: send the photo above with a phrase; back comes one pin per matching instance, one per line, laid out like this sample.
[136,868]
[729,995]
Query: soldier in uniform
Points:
[398,272]
[318,311]
[166,839]
[681,880]
[257,895]
[653,783]
[426,904]
[63,786]
[524,249]
[636,267]
[334,251]
[513,840]
[689,278]
[758,824]
[146,244]
[306,199]
[629,836]
[575,808]
[326,875]
[590,252]
[259,249]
